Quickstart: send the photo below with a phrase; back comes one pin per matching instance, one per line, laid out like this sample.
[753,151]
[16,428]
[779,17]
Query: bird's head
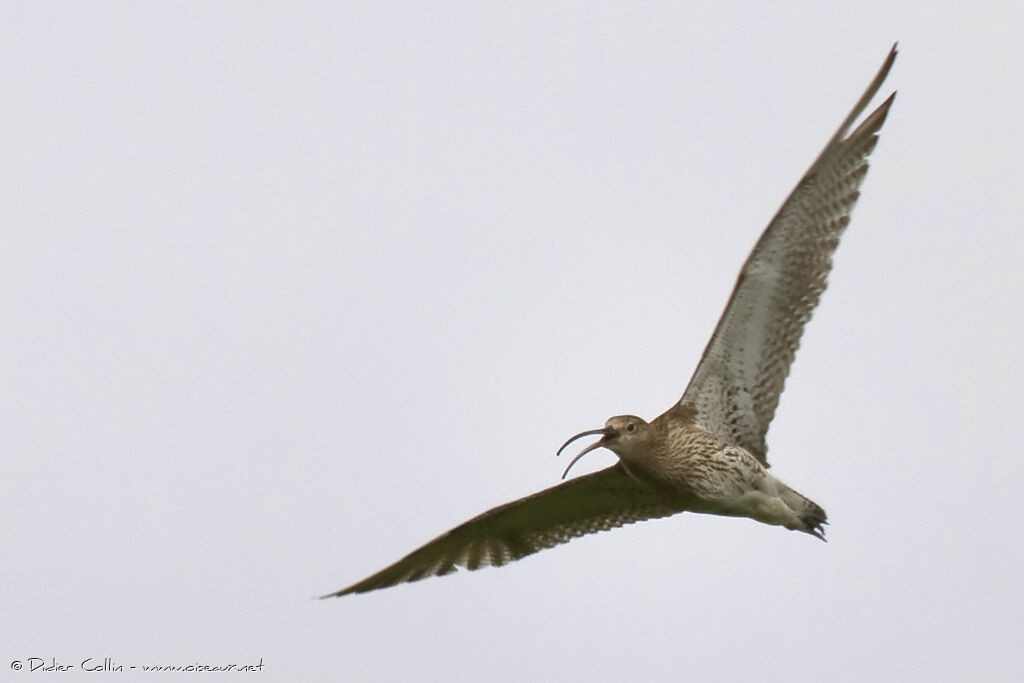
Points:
[621,435]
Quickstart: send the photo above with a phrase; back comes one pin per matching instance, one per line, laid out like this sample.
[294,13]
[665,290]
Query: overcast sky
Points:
[288,292]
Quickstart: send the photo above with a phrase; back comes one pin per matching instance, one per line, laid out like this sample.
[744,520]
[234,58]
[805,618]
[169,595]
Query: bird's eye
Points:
[631,427]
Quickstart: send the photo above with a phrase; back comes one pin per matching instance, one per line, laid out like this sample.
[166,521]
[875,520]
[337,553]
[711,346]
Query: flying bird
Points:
[707,453]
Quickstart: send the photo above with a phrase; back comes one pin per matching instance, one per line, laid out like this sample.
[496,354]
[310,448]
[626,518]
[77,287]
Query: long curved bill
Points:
[594,446]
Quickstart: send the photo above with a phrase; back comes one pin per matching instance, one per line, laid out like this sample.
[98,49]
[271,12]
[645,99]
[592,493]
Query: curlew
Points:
[706,453]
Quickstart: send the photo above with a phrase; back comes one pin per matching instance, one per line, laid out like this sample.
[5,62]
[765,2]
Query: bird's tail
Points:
[811,515]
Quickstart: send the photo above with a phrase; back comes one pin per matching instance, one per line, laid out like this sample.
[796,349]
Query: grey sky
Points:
[290,292]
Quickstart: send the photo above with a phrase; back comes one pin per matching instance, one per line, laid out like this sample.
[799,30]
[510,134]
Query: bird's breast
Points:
[693,462]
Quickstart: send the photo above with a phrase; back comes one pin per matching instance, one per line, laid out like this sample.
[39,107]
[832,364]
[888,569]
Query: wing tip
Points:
[354,588]
[878,115]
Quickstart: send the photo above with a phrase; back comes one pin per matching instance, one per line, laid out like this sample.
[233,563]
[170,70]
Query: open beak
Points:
[605,435]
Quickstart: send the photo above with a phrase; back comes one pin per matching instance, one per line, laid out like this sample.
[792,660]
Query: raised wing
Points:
[596,502]
[736,386]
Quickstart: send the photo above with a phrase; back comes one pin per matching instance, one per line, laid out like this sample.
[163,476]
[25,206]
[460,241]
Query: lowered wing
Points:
[596,502]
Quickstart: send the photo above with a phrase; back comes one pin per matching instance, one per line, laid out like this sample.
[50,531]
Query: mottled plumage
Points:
[707,453]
